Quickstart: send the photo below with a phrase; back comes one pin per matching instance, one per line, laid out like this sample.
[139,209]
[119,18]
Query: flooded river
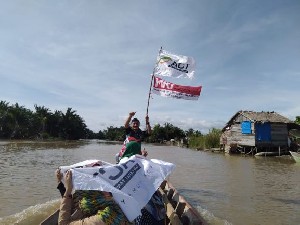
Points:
[225,189]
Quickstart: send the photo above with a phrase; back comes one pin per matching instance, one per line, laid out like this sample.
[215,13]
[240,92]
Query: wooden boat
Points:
[267,154]
[178,210]
[281,153]
[295,156]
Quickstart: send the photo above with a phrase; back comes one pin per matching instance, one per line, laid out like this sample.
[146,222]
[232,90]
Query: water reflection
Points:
[41,145]
[288,201]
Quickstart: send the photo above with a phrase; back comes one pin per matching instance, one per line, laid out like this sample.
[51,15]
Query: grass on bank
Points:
[208,141]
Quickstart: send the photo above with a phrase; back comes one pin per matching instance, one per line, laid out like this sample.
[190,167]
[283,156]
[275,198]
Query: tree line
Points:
[166,132]
[18,122]
[159,134]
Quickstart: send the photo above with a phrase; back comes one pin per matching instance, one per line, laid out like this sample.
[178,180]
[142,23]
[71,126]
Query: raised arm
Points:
[127,122]
[148,127]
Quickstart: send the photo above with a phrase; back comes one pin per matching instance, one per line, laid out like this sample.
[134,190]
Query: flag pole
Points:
[152,77]
[149,93]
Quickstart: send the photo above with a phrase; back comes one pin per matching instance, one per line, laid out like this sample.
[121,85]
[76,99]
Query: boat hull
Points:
[178,210]
[295,156]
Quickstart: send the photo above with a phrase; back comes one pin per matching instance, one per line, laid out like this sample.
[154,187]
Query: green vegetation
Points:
[210,140]
[113,134]
[166,133]
[17,122]
[297,121]
[159,133]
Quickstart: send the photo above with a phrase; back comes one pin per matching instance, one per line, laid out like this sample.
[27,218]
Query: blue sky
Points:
[97,56]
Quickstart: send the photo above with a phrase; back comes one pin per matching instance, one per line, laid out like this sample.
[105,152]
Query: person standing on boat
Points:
[134,134]
[134,129]
[154,212]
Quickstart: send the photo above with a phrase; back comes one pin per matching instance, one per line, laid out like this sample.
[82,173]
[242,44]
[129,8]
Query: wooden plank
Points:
[52,219]
[180,208]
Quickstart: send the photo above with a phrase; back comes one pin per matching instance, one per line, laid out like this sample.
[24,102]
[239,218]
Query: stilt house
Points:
[249,131]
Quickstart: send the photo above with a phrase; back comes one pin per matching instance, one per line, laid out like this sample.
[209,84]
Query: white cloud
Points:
[96,57]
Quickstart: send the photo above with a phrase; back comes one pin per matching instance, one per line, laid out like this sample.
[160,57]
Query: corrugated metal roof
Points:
[272,117]
[265,117]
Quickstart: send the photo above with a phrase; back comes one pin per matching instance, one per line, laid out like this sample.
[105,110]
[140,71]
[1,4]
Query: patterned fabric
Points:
[112,215]
[153,213]
[145,219]
[156,206]
[100,204]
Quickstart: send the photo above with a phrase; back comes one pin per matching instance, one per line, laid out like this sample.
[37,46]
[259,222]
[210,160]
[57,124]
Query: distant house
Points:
[253,132]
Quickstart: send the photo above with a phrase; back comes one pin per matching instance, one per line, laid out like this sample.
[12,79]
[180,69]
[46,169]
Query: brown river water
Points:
[225,189]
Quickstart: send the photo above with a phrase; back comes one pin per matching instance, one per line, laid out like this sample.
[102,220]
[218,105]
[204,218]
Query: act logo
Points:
[182,67]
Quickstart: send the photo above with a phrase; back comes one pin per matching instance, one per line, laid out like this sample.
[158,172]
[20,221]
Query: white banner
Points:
[174,65]
[83,164]
[168,89]
[132,182]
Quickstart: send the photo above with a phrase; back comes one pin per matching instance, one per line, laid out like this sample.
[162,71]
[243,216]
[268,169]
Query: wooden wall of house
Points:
[235,136]
[279,136]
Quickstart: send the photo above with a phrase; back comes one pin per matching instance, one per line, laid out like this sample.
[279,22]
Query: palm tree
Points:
[42,115]
[4,119]
[73,125]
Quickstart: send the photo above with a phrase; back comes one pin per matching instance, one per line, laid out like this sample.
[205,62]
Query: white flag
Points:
[174,65]
[132,182]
